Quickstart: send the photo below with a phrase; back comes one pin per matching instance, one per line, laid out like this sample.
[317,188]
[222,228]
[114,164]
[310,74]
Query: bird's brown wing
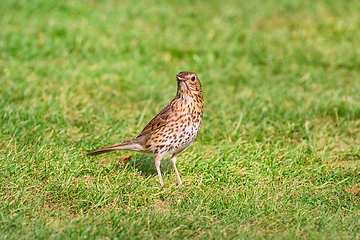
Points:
[159,121]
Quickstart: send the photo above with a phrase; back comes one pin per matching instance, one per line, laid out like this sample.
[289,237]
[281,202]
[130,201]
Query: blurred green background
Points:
[278,152]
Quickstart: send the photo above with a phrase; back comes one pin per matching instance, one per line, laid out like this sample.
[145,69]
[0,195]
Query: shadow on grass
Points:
[146,165]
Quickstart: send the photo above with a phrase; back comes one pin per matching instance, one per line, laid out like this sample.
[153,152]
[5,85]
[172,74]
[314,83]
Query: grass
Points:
[278,154]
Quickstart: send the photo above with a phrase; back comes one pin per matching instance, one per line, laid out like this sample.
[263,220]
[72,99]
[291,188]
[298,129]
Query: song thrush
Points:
[173,129]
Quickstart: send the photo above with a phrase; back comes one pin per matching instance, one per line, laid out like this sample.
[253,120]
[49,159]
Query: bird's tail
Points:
[133,145]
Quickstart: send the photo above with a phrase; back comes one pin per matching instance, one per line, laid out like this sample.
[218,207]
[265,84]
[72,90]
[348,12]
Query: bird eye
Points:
[193,78]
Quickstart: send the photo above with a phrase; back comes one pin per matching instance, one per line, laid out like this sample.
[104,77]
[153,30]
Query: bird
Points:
[172,130]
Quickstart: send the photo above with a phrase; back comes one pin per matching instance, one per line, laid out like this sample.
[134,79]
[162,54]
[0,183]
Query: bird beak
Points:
[179,77]
[182,80]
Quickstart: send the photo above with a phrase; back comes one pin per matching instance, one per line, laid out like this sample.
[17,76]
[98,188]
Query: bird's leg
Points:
[157,165]
[173,161]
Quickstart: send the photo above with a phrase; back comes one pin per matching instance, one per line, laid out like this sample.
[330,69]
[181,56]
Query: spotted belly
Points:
[174,141]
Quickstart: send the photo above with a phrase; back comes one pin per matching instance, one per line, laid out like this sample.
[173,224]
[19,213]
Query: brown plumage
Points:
[173,129]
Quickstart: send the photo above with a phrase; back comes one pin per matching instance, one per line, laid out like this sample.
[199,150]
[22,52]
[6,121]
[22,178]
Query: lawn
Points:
[278,155]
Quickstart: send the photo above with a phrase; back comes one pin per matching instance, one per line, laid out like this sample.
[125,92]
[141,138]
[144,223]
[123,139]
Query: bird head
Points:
[188,82]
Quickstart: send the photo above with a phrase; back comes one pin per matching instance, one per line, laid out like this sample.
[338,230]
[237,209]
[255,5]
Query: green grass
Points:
[276,158]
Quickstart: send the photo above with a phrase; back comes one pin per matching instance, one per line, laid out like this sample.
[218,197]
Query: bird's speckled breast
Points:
[179,133]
